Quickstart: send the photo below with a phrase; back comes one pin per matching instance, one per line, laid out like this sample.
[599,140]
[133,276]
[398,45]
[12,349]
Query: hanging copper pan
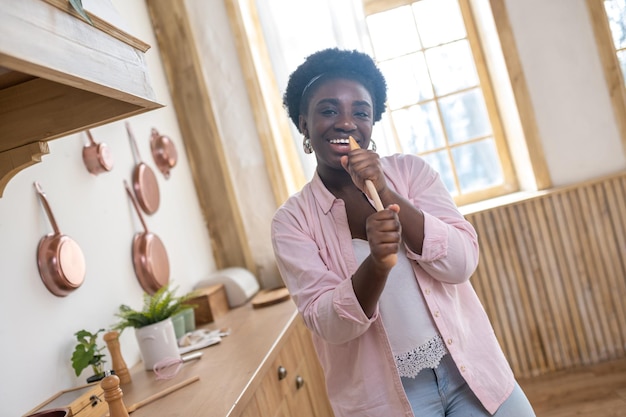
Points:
[150,259]
[145,182]
[59,258]
[163,152]
[97,157]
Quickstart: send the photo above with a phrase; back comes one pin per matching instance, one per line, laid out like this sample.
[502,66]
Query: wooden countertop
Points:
[227,370]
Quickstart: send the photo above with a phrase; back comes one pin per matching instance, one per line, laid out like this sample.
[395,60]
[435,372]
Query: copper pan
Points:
[163,152]
[150,259]
[59,258]
[145,182]
[97,157]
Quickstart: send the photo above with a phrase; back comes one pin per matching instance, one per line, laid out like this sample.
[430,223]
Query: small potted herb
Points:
[153,325]
[88,353]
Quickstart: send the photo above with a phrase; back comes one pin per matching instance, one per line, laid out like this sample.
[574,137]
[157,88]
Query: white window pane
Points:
[419,128]
[439,21]
[407,79]
[465,116]
[441,163]
[452,67]
[477,165]
[393,33]
[616,12]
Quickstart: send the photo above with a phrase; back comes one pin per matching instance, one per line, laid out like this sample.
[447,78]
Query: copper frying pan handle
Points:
[46,206]
[132,198]
[93,142]
[133,144]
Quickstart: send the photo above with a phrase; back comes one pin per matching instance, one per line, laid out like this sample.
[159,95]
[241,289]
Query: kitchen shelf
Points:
[61,75]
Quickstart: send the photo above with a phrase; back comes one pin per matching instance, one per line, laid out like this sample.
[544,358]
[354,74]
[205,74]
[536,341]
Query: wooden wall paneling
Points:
[617,209]
[200,134]
[490,293]
[537,282]
[589,274]
[608,251]
[567,265]
[496,280]
[568,309]
[552,276]
[537,361]
[598,272]
[515,299]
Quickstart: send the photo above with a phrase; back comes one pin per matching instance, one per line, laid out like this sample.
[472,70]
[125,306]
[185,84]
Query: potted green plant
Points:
[153,325]
[87,353]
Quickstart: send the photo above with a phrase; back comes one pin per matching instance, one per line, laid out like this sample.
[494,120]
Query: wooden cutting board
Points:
[266,298]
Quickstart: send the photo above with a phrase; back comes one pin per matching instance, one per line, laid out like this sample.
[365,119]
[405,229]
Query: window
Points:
[616,12]
[440,104]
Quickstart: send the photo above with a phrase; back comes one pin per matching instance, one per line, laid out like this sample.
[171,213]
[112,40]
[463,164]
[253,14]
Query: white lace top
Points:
[415,344]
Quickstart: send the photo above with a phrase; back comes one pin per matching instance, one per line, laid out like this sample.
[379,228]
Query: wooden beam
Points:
[200,134]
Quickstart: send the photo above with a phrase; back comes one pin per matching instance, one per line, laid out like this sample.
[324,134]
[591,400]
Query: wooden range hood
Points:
[61,75]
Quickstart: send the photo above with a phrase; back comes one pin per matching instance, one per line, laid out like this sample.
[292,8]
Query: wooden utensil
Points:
[371,190]
[113,396]
[112,340]
[162,394]
[270,297]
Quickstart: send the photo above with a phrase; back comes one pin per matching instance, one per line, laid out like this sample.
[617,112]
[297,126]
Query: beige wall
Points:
[36,328]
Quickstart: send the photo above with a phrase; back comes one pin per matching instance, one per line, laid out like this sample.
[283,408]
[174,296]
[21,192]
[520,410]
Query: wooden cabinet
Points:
[294,385]
[61,75]
[266,367]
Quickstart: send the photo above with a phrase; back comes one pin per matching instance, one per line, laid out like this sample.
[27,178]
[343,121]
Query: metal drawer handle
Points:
[299,382]
[282,373]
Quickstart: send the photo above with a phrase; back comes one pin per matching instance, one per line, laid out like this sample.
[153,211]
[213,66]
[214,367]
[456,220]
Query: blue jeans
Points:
[443,392]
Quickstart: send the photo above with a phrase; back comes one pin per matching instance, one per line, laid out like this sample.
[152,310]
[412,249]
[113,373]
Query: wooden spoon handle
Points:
[162,394]
[371,190]
[378,204]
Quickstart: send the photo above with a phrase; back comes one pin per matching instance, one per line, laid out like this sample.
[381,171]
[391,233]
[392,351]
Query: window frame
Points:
[610,64]
[510,183]
[515,109]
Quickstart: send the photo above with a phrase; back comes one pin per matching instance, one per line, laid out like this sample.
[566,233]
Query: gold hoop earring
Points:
[306,146]
[373,145]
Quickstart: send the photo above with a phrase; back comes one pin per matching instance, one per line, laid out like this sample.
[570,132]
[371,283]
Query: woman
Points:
[398,328]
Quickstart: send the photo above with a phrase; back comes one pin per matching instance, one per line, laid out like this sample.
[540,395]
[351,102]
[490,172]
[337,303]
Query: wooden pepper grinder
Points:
[113,396]
[112,340]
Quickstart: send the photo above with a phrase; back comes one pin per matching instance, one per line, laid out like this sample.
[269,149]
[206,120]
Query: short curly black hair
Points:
[334,62]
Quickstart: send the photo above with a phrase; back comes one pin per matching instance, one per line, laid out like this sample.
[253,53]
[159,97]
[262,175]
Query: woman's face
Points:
[337,109]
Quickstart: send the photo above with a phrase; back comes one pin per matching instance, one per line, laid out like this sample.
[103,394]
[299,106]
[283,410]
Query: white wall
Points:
[36,328]
[226,87]
[568,91]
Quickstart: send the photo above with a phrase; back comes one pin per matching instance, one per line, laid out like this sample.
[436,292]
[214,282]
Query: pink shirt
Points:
[313,248]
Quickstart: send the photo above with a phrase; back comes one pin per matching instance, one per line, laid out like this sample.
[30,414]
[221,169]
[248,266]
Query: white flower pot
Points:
[156,342]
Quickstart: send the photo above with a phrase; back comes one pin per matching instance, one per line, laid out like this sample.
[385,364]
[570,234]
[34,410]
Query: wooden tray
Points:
[266,298]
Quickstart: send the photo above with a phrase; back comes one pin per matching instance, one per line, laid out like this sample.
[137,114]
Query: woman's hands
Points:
[383,230]
[363,165]
[383,234]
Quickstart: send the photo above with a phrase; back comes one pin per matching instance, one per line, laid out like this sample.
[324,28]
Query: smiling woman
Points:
[384,292]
